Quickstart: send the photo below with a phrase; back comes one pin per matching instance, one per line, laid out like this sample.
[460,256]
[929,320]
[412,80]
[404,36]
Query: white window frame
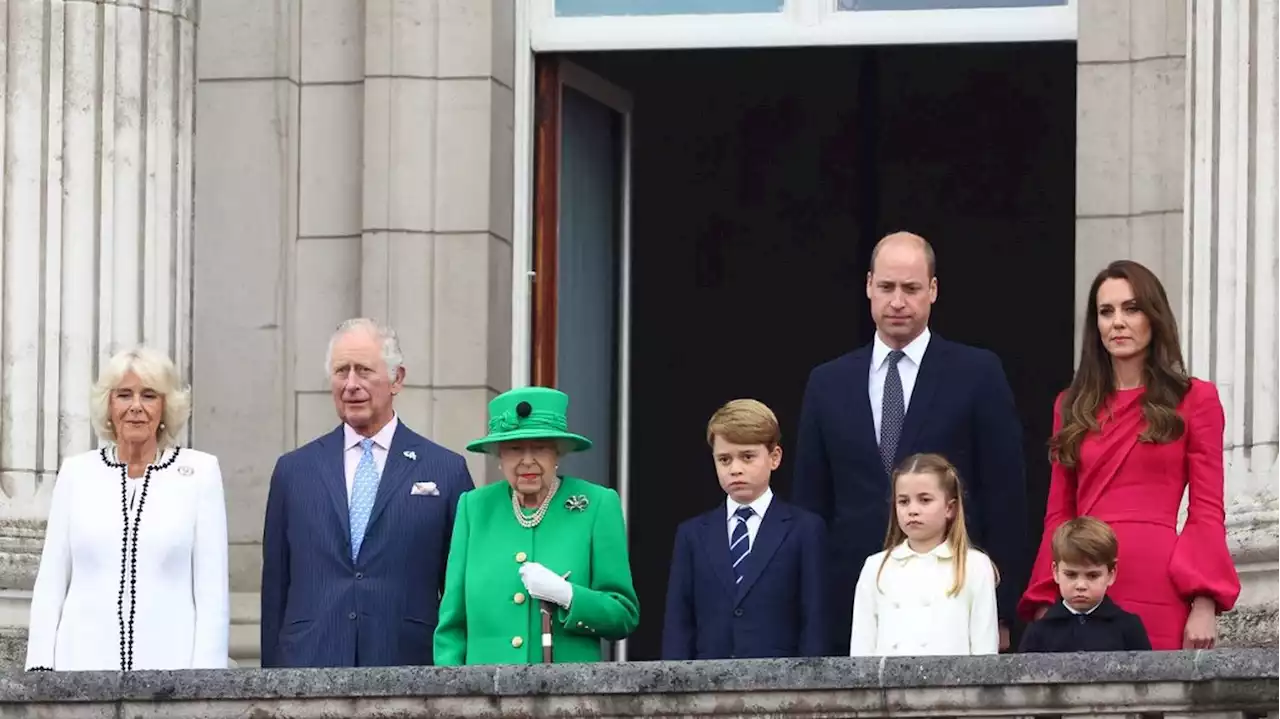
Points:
[798,23]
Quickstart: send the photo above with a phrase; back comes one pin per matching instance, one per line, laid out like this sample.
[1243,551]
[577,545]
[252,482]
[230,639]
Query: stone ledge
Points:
[1215,674]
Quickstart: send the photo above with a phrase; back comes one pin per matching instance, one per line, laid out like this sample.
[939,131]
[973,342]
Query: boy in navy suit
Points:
[746,577]
[1086,620]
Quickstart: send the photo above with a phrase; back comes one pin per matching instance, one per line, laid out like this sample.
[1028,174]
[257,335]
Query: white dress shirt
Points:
[910,614]
[908,368]
[181,620]
[351,451]
[759,506]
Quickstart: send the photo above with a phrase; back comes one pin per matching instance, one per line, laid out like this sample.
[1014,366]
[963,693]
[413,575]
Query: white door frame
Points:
[619,100]
[797,23]
[800,23]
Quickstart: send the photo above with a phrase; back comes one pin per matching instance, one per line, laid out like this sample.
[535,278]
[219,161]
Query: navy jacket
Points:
[777,610]
[961,407]
[1108,628]
[319,609]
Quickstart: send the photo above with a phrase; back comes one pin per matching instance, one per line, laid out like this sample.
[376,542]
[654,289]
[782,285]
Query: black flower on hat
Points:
[524,409]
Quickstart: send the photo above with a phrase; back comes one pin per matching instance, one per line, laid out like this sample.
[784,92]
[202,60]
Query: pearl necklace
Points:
[536,519]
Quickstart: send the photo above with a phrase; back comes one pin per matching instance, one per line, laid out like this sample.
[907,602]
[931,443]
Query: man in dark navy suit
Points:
[909,391]
[746,577]
[358,524]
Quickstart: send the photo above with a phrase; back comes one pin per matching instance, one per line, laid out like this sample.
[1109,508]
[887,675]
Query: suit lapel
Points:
[715,541]
[864,421]
[932,366]
[395,472]
[333,475]
[774,528]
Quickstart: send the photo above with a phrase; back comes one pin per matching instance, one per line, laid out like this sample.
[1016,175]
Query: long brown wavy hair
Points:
[957,536]
[1164,374]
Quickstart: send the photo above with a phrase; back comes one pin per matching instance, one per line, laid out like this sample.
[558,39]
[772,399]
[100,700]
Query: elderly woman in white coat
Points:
[134,569]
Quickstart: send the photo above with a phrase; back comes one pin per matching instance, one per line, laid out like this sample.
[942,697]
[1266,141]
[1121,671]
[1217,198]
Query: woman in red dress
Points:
[1129,435]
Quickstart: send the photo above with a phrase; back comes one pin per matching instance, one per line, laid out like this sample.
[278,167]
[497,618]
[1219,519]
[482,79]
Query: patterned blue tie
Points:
[893,410]
[739,544]
[363,491]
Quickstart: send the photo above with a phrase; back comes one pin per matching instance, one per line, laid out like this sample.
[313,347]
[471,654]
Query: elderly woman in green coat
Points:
[535,537]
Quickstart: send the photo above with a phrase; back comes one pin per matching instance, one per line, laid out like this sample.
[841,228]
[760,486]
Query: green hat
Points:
[530,413]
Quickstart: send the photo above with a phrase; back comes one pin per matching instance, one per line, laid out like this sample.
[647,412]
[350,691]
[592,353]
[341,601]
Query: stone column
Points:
[1229,303]
[1130,120]
[96,132]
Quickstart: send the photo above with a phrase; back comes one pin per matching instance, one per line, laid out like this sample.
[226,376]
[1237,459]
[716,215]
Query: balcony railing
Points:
[1237,683]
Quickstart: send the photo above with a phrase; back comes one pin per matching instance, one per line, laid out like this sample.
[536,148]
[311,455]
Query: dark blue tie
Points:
[893,410]
[739,544]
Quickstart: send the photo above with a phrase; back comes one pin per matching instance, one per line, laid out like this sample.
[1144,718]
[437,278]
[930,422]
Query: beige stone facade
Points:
[230,179]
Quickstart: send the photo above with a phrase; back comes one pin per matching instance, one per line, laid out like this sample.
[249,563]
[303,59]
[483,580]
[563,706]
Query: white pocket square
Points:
[425,488]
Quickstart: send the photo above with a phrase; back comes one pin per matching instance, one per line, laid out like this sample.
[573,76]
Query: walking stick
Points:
[546,631]
[547,609]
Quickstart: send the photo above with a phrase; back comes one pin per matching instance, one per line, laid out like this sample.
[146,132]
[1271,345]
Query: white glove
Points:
[545,584]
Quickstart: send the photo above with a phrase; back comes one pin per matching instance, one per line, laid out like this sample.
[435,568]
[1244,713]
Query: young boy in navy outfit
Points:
[1086,620]
[746,577]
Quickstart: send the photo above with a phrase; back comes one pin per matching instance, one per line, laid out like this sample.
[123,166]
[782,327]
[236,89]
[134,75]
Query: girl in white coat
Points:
[929,592]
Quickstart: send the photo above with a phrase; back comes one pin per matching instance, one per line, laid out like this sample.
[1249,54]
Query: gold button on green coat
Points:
[477,614]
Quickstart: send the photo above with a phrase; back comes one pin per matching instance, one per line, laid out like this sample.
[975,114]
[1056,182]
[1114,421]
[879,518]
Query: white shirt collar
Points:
[914,350]
[351,438]
[903,552]
[1078,612]
[759,506]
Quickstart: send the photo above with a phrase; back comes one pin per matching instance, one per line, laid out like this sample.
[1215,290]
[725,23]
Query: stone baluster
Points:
[96,130]
[1229,313]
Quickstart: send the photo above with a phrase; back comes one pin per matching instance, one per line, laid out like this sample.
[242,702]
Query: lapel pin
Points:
[413,456]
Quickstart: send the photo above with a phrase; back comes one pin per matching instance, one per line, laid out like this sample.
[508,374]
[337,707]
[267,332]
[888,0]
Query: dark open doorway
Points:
[760,181]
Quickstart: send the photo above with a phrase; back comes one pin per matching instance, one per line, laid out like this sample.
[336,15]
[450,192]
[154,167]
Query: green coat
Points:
[486,616]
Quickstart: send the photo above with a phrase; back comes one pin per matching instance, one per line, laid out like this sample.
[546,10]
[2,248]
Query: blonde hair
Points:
[1085,540]
[157,372]
[957,536]
[745,421]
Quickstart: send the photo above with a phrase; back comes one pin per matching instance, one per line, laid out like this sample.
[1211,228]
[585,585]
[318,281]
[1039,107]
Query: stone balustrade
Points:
[1237,683]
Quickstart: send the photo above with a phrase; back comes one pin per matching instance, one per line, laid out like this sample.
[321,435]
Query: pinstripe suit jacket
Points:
[320,609]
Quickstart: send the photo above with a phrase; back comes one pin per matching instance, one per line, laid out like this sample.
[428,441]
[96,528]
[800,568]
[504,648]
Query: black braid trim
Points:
[129,550]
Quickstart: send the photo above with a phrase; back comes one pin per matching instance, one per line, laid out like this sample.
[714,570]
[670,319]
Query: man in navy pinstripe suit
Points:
[358,524]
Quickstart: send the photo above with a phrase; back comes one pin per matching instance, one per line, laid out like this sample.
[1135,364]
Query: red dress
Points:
[1136,487]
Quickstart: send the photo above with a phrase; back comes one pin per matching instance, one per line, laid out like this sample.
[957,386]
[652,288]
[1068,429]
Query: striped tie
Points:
[739,544]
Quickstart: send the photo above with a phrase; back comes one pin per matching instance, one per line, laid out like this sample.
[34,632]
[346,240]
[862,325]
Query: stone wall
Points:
[1236,684]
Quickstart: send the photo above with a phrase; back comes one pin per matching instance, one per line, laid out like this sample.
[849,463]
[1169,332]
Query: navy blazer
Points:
[1108,628]
[320,609]
[777,610]
[961,407]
